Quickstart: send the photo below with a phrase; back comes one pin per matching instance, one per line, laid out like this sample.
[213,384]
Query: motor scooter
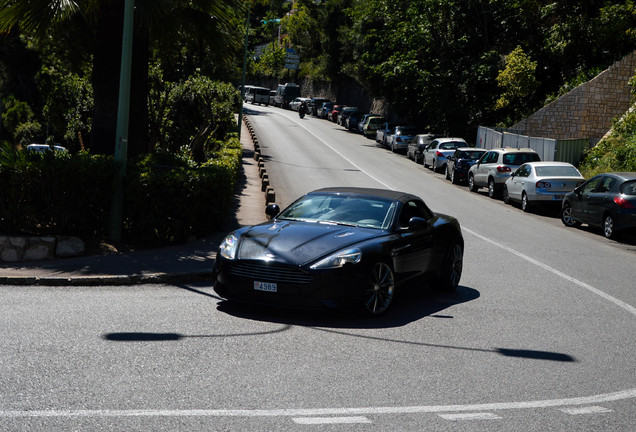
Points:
[302,110]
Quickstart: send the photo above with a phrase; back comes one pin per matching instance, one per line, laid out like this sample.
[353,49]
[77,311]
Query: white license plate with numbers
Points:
[265,286]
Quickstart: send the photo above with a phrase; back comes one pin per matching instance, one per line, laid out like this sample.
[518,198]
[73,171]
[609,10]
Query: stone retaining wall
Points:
[588,110]
[22,248]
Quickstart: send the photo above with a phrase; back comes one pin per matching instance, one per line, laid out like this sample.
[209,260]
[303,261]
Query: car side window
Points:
[606,185]
[491,157]
[413,209]
[592,184]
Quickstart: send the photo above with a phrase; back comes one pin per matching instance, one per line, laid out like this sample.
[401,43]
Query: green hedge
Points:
[65,194]
[166,204]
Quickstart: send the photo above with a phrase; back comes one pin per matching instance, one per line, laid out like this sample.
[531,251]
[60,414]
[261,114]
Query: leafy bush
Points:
[54,193]
[168,201]
[616,152]
[166,197]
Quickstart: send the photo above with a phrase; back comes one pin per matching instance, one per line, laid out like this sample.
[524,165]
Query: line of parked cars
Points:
[517,175]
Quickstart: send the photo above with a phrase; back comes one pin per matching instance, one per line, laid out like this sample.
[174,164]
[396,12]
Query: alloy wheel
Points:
[567,217]
[380,290]
[608,227]
[491,188]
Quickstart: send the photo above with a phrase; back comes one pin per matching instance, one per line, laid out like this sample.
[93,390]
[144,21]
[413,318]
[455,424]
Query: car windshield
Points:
[557,171]
[520,158]
[376,120]
[629,188]
[362,211]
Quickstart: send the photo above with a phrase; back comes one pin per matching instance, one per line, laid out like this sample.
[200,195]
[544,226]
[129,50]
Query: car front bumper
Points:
[295,287]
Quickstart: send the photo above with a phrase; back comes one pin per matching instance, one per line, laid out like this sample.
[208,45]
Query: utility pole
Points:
[123,110]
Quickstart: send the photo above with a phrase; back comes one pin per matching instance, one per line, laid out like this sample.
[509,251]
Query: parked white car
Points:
[295,104]
[437,153]
[541,182]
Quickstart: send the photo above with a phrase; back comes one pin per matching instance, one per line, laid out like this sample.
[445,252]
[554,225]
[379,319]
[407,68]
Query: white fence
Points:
[490,138]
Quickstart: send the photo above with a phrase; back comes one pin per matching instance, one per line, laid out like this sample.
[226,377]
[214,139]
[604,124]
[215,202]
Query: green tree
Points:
[517,80]
[209,22]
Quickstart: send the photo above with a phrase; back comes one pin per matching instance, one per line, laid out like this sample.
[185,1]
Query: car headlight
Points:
[339,259]
[229,246]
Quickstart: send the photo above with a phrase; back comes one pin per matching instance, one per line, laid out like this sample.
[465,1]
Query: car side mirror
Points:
[272,210]
[417,223]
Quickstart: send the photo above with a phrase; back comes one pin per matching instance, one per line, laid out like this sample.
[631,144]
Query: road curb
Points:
[154,278]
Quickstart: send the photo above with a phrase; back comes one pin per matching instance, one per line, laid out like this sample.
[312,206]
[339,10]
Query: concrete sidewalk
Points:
[180,263]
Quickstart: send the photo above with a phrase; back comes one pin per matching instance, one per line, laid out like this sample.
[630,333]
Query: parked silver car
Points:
[493,168]
[401,138]
[436,155]
[417,146]
[545,182]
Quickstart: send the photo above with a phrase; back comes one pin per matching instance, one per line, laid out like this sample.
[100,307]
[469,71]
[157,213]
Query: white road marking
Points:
[629,308]
[470,416]
[330,420]
[358,167]
[586,410]
[308,412]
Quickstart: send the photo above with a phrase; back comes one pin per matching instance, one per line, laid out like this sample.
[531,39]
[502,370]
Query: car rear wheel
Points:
[471,183]
[492,192]
[609,229]
[525,204]
[452,268]
[567,217]
[380,289]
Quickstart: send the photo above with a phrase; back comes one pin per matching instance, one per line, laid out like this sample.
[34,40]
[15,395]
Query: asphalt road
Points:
[539,336]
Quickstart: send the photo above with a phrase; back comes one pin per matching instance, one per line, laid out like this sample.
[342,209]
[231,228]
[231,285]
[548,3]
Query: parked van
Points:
[257,95]
[285,93]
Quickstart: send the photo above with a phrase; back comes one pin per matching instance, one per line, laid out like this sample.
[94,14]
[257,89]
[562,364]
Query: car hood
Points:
[299,243]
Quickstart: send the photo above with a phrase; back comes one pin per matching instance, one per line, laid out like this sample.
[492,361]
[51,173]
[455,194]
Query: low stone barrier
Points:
[26,248]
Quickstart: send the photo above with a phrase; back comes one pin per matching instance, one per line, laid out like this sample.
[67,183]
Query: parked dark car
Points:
[315,105]
[325,109]
[606,200]
[460,162]
[352,120]
[345,113]
[340,246]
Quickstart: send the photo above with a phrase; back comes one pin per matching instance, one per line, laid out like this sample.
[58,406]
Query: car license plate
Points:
[558,197]
[265,286]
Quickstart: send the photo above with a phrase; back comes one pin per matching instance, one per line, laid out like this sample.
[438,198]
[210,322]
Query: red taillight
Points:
[623,203]
[439,154]
[503,169]
[543,185]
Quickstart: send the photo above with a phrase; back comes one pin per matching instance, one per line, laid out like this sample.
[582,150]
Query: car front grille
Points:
[271,272]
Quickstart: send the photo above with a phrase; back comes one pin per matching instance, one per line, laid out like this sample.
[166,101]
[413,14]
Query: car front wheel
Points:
[525,204]
[567,217]
[471,183]
[380,289]
[506,196]
[452,268]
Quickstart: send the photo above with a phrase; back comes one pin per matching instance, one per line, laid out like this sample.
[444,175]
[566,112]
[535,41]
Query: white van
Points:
[257,95]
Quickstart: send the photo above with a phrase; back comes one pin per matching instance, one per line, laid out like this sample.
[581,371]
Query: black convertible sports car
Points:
[336,246]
